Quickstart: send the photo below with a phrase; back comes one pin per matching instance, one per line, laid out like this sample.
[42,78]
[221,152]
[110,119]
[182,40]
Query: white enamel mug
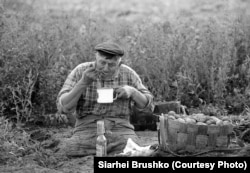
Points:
[106,95]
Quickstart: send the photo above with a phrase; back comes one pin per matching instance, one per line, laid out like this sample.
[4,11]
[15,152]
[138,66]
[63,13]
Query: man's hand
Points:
[89,76]
[125,91]
[138,97]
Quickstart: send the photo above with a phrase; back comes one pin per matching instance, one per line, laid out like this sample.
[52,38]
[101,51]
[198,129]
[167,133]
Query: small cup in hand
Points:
[106,95]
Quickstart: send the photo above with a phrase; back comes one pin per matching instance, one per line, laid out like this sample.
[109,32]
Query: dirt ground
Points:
[49,162]
[30,163]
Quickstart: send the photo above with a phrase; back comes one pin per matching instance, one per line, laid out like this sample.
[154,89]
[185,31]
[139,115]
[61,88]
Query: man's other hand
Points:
[125,91]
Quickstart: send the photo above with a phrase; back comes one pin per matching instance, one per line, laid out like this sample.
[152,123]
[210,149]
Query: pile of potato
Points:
[199,119]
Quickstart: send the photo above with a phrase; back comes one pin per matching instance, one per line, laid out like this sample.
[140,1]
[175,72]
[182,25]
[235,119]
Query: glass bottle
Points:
[101,141]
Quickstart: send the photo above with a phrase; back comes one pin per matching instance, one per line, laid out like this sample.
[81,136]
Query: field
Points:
[193,51]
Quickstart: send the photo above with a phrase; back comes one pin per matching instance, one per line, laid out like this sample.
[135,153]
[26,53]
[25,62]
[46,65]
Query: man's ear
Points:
[96,54]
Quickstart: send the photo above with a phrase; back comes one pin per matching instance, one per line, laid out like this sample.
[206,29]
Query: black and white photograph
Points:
[108,85]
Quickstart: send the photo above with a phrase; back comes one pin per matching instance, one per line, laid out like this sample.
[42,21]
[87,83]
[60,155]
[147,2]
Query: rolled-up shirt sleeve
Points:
[68,85]
[140,87]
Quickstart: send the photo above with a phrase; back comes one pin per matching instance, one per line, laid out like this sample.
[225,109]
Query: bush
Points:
[190,60]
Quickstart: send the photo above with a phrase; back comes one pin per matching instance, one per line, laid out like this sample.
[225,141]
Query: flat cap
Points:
[110,48]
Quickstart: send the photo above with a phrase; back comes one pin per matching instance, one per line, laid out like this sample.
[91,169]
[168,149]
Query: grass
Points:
[189,59]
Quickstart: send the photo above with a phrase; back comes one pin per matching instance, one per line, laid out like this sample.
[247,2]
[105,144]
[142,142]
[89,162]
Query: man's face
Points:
[107,66]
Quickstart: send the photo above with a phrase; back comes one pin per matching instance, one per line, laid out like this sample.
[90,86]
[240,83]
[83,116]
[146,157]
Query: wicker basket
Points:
[177,136]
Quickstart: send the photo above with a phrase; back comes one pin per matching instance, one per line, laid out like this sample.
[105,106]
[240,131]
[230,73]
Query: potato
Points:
[192,116]
[225,118]
[226,122]
[219,123]
[200,117]
[171,113]
[181,120]
[201,123]
[177,116]
[190,120]
[171,117]
[216,119]
[183,115]
[210,122]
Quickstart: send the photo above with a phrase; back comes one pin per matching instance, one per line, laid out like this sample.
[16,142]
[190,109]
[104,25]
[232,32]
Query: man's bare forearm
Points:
[139,98]
[69,100]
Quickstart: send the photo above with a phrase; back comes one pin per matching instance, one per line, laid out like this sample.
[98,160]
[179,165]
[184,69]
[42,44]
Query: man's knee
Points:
[76,147]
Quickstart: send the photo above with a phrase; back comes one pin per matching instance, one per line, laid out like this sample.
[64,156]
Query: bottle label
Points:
[100,151]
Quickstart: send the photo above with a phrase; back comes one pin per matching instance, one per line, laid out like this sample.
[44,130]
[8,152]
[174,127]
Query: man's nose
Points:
[106,67]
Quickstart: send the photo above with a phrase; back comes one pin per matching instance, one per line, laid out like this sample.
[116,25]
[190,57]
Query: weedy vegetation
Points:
[203,63]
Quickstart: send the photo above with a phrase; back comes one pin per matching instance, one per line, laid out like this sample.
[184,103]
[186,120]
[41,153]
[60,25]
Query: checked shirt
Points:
[87,104]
